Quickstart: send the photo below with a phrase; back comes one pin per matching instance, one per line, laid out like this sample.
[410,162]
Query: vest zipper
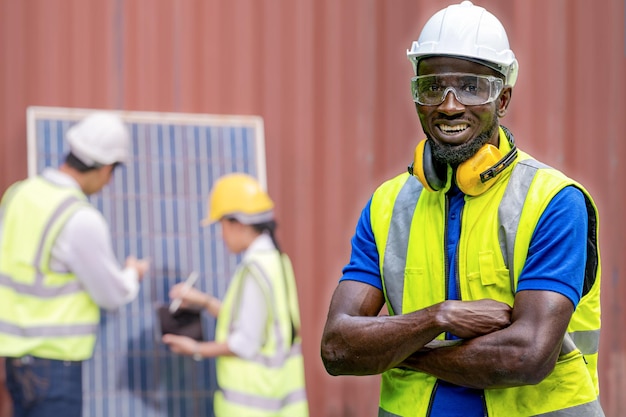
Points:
[446,261]
[456,255]
[432,398]
[485,413]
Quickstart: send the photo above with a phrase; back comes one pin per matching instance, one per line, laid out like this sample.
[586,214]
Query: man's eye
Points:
[434,87]
[427,88]
[470,88]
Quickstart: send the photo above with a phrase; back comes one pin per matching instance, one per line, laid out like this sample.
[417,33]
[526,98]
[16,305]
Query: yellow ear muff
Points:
[473,177]
[424,169]
[468,177]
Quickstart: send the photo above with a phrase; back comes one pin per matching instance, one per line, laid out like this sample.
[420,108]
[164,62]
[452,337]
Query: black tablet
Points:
[184,322]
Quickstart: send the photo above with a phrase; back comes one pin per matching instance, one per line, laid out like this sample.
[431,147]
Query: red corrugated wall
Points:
[330,78]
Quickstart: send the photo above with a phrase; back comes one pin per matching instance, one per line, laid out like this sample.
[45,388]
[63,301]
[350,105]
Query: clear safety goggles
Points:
[469,89]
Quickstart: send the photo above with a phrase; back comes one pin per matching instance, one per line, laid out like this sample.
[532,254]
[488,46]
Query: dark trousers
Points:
[44,387]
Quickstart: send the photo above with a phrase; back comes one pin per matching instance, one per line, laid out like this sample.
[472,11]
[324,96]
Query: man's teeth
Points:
[453,129]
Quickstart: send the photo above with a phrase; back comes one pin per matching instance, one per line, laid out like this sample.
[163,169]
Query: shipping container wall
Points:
[331,81]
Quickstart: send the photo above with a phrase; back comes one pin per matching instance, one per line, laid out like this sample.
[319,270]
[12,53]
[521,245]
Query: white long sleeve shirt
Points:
[248,332]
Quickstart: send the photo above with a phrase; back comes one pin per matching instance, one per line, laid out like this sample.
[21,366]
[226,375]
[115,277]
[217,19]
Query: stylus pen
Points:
[191,279]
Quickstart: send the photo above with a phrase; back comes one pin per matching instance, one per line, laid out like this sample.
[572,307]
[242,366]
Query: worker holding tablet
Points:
[259,365]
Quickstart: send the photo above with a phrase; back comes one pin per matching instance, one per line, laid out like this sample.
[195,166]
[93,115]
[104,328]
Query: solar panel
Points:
[154,205]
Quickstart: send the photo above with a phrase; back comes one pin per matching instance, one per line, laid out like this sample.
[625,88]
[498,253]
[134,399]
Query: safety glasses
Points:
[469,89]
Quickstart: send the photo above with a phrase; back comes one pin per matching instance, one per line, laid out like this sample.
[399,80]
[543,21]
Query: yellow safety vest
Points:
[496,231]
[43,313]
[272,383]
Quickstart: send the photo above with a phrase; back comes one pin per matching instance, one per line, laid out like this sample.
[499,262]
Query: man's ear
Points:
[503,101]
[106,170]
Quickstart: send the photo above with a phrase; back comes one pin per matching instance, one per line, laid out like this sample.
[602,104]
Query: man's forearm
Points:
[488,361]
[372,345]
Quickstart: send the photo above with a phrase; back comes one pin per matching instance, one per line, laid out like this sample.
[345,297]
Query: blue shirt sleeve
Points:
[363,266]
[558,250]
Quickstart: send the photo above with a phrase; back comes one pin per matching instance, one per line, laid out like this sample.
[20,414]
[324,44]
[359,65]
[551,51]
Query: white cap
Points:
[101,138]
[468,32]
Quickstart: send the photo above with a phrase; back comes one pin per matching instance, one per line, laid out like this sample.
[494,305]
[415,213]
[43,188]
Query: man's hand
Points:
[140,265]
[469,319]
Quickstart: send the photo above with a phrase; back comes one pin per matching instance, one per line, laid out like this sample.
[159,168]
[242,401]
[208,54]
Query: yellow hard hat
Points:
[241,197]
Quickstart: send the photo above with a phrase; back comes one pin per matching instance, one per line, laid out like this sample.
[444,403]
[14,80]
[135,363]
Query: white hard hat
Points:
[101,138]
[469,32]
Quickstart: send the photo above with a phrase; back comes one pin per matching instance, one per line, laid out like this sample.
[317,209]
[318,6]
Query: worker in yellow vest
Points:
[259,365]
[486,259]
[58,268]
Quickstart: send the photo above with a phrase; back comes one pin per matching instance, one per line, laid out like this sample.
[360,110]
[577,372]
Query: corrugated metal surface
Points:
[330,80]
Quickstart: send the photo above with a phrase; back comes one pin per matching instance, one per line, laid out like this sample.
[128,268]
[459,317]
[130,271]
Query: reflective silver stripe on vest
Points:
[263,403]
[398,241]
[588,342]
[281,355]
[510,209]
[37,288]
[509,213]
[383,413]
[279,358]
[592,409]
[48,330]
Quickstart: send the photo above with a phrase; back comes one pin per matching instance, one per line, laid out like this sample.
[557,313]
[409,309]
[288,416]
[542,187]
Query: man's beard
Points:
[454,155]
